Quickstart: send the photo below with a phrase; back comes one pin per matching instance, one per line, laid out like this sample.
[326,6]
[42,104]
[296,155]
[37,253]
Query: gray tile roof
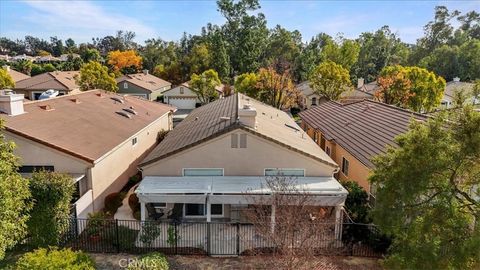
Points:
[364,128]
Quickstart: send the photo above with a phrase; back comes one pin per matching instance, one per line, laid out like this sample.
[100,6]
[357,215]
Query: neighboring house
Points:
[64,57]
[16,76]
[46,59]
[61,81]
[352,134]
[96,136]
[371,88]
[184,98]
[455,86]
[142,85]
[312,99]
[203,169]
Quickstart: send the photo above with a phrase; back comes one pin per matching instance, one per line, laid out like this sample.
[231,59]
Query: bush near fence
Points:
[197,238]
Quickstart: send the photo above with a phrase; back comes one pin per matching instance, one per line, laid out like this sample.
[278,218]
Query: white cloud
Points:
[83,20]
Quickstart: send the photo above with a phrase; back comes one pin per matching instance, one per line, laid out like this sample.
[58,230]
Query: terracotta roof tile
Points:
[58,80]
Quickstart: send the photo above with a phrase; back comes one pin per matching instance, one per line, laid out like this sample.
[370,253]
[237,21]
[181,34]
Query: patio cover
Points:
[326,191]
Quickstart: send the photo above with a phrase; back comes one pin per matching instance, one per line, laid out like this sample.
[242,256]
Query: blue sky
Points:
[82,20]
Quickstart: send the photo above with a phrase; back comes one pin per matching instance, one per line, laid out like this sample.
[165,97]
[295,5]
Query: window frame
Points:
[125,85]
[204,210]
[343,166]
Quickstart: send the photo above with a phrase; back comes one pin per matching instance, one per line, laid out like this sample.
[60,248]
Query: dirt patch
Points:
[119,261]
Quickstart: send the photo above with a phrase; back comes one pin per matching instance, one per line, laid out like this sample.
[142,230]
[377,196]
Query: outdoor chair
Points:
[152,212]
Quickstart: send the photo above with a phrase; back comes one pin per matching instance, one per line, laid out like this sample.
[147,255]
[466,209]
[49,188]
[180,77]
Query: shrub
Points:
[53,258]
[52,193]
[112,202]
[150,231]
[132,181]
[127,238]
[95,223]
[137,215]
[150,261]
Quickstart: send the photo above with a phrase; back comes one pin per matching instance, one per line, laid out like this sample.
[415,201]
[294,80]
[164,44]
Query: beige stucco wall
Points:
[357,171]
[112,172]
[251,161]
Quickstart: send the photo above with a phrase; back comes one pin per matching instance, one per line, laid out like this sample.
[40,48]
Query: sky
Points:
[82,20]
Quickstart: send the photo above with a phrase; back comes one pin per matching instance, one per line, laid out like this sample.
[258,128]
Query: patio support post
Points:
[142,211]
[338,222]
[272,222]
[209,210]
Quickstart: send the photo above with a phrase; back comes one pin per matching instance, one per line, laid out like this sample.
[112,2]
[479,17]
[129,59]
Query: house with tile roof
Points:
[352,134]
[143,85]
[455,86]
[16,76]
[204,167]
[184,98]
[97,137]
[62,81]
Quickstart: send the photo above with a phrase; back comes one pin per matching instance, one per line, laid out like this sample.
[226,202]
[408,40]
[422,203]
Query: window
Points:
[327,150]
[203,172]
[345,165]
[125,85]
[200,210]
[134,141]
[35,168]
[216,209]
[285,172]
[314,101]
[182,90]
[315,137]
[234,140]
[243,140]
[81,187]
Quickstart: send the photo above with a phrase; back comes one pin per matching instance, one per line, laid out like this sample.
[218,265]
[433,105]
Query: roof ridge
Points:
[396,107]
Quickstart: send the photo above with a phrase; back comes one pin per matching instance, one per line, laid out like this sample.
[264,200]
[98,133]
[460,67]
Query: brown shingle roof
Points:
[58,80]
[84,125]
[17,76]
[145,81]
[364,128]
[205,123]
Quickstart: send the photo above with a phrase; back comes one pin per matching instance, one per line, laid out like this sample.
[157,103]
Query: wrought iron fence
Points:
[202,238]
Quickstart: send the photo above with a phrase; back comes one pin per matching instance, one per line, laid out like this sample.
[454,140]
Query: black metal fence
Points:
[202,238]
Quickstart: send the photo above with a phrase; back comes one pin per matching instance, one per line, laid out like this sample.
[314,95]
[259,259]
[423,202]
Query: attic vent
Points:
[292,127]
[75,100]
[347,123]
[122,113]
[368,107]
[132,111]
[224,118]
[46,107]
[117,99]
[100,95]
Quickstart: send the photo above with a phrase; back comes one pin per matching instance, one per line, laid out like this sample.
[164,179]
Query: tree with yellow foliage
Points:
[124,62]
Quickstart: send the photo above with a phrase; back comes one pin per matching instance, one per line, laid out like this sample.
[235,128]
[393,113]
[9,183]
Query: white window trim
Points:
[183,171]
[125,85]
[304,171]
[205,210]
[341,169]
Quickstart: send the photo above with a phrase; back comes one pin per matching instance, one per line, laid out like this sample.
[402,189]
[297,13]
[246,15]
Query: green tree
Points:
[330,80]
[171,73]
[90,54]
[428,193]
[52,194]
[14,197]
[344,52]
[204,85]
[24,66]
[220,60]
[443,61]
[37,69]
[6,80]
[283,49]
[198,59]
[469,60]
[247,84]
[48,67]
[94,75]
[309,57]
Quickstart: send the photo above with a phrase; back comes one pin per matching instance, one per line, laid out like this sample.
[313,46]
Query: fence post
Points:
[117,236]
[176,237]
[238,238]
[208,238]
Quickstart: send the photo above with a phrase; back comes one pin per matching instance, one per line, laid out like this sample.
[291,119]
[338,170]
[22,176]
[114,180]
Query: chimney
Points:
[360,82]
[456,79]
[10,103]
[247,115]
[7,68]
[145,71]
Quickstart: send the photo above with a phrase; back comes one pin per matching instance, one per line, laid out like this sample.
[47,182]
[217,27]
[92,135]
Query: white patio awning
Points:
[325,191]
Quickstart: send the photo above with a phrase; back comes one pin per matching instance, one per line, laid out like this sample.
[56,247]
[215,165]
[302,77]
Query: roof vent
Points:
[224,118]
[117,99]
[75,100]
[196,118]
[132,111]
[46,107]
[122,113]
[100,95]
[292,127]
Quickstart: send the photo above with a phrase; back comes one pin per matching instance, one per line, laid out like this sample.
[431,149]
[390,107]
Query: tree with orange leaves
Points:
[277,90]
[394,86]
[124,62]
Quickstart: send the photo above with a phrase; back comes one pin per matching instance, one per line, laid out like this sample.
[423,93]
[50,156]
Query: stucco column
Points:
[272,218]
[338,222]
[142,211]
[209,210]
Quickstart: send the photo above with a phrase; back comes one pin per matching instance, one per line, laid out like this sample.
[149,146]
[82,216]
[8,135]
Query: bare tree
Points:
[292,229]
